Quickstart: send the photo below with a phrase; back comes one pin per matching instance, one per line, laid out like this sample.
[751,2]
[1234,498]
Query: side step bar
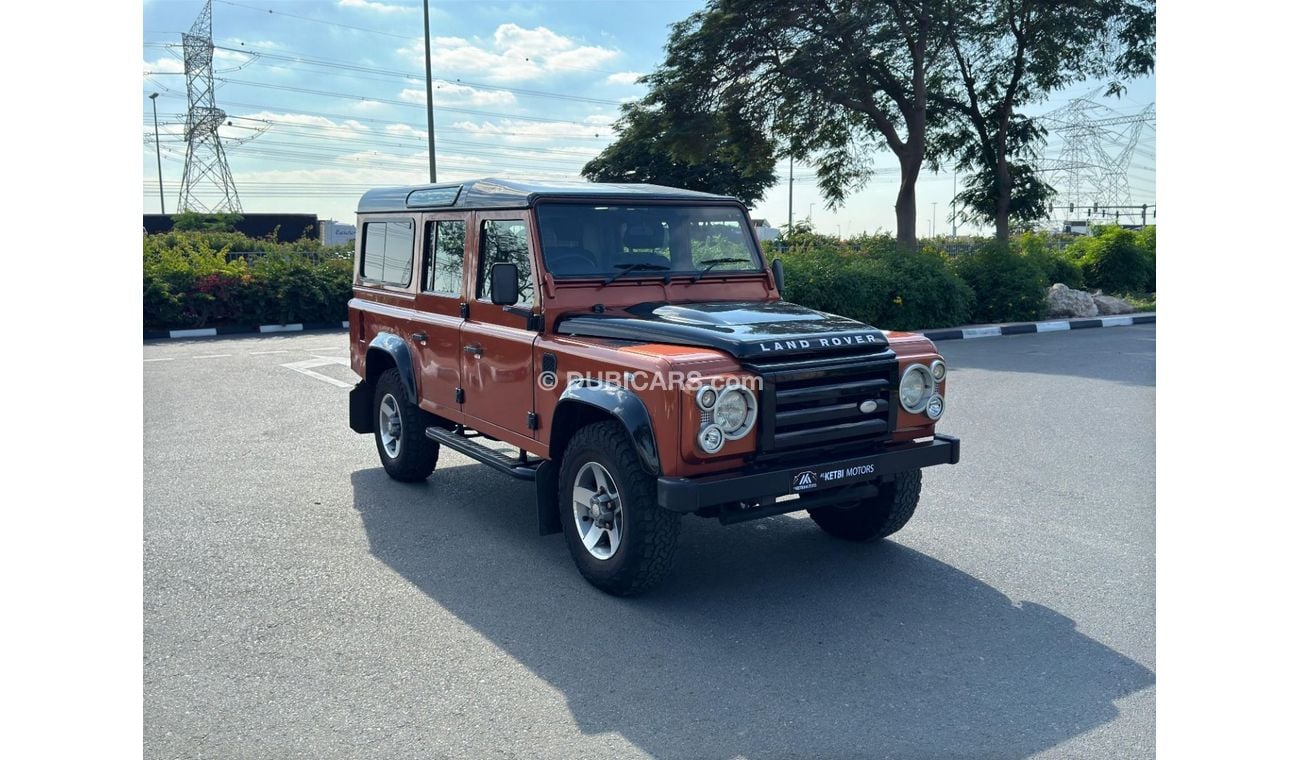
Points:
[488,456]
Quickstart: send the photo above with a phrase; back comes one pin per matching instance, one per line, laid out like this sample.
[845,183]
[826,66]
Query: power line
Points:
[300,58]
[403,103]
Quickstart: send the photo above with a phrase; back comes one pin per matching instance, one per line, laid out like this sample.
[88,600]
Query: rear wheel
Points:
[622,541]
[406,452]
[874,518]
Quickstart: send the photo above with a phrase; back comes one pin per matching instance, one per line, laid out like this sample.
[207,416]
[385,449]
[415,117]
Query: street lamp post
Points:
[157,147]
[428,95]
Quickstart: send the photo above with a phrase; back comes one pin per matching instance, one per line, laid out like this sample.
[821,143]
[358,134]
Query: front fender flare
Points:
[624,406]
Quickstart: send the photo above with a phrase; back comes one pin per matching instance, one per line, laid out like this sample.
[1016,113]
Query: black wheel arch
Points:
[385,352]
[589,401]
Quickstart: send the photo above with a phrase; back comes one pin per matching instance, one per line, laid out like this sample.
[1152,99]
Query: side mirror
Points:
[778,274]
[505,284]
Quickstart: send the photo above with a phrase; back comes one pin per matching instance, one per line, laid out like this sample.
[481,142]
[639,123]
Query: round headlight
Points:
[711,439]
[735,411]
[934,408]
[939,370]
[915,388]
[706,397]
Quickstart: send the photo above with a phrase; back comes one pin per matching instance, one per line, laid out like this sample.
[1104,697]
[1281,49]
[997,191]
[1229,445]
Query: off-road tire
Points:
[417,454]
[649,533]
[874,518]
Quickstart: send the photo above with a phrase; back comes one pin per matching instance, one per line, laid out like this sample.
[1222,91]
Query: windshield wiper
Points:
[629,268]
[711,263]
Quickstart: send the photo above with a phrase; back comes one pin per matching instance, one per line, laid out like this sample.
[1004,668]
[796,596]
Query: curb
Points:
[953,333]
[210,332]
[1022,328]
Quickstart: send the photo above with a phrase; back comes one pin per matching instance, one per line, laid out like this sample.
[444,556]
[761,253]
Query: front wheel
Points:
[622,541]
[874,518]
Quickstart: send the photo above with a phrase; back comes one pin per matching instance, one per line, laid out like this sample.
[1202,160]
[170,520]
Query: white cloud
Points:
[448,93]
[405,130]
[514,53]
[587,57]
[624,77]
[165,65]
[384,8]
[516,131]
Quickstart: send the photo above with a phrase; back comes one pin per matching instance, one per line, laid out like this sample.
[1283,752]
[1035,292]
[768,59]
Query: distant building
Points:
[765,231]
[336,233]
[283,228]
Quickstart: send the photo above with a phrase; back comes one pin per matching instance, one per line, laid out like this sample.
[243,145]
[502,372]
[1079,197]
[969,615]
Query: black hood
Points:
[744,329]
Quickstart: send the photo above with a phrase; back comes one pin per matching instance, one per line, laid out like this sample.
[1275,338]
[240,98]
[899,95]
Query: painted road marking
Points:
[307,366]
[1053,326]
[212,356]
[981,332]
[168,359]
[258,353]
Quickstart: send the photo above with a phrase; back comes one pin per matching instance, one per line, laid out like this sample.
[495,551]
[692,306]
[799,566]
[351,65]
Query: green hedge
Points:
[1009,286]
[1115,261]
[871,280]
[188,281]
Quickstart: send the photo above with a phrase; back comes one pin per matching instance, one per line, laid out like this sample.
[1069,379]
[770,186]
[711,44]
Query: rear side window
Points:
[504,241]
[445,261]
[386,252]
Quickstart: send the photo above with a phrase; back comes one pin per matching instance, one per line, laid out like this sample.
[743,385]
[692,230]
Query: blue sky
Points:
[326,98]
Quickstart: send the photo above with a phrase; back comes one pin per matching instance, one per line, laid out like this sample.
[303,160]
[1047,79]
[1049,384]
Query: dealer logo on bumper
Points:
[810,479]
[804,481]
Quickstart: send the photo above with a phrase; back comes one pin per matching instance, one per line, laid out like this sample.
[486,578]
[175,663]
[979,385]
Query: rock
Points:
[1111,305]
[1065,302]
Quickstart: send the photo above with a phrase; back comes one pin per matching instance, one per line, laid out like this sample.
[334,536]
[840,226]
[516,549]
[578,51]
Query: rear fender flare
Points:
[399,354]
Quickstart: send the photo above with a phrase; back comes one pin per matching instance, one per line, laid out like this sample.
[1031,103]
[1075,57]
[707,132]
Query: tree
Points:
[713,152]
[831,79]
[1014,52]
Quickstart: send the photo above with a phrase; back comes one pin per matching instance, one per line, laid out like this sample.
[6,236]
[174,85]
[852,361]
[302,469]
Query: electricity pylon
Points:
[205,159]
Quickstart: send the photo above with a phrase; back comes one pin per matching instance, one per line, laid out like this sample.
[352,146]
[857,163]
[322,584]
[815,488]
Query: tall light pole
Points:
[934,217]
[954,204]
[428,94]
[789,230]
[157,147]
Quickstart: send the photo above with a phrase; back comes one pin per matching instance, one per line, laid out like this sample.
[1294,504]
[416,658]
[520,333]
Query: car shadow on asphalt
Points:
[770,638]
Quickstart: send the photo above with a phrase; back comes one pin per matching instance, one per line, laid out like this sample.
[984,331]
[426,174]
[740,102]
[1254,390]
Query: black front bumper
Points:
[809,480]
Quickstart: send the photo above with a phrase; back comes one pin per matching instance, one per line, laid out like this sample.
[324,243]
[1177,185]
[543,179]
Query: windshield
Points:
[605,241]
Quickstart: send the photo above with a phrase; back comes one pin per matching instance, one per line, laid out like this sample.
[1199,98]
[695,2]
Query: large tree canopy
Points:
[1009,53]
[833,80]
[714,152]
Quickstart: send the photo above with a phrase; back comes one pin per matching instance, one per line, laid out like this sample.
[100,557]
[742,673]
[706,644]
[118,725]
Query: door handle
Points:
[474,350]
[419,337]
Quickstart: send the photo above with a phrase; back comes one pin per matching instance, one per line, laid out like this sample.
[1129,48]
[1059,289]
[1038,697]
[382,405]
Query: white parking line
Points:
[168,359]
[258,353]
[306,367]
[212,356]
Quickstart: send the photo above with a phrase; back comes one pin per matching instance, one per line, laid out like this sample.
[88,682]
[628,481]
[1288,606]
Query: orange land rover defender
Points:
[627,348]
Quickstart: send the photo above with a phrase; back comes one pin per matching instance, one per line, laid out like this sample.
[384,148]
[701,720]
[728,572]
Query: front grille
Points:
[816,403]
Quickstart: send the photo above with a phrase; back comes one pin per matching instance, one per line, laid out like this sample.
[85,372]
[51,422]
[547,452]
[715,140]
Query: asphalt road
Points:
[298,603]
